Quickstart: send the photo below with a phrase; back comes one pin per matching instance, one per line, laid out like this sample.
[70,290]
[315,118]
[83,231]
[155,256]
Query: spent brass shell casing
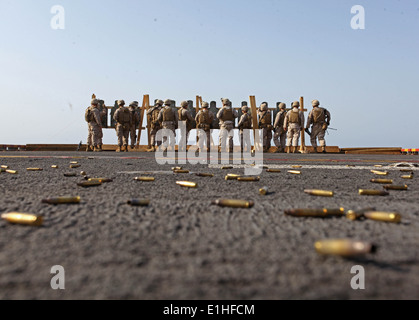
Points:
[54,166]
[34,169]
[315,212]
[385,181]
[378,165]
[263,191]
[181,171]
[200,174]
[139,202]
[383,216]
[12,171]
[83,173]
[394,187]
[22,218]
[176,168]
[73,162]
[4,167]
[294,171]
[61,200]
[146,179]
[248,178]
[357,214]
[69,174]
[343,247]
[321,193]
[273,170]
[380,173]
[227,177]
[72,166]
[187,184]
[296,166]
[407,177]
[233,203]
[406,170]
[368,192]
[226,167]
[86,184]
[103,180]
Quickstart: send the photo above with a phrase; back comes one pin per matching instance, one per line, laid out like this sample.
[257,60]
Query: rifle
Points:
[307,131]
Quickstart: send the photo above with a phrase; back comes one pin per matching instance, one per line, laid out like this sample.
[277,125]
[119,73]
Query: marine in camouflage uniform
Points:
[123,120]
[204,119]
[280,134]
[294,121]
[135,123]
[155,125]
[227,116]
[319,118]
[245,123]
[265,123]
[94,121]
[187,119]
[169,120]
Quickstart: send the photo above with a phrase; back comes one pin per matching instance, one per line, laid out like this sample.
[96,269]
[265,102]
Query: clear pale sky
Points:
[276,50]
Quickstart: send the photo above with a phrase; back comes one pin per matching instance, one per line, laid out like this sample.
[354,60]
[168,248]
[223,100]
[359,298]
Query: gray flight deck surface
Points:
[182,247]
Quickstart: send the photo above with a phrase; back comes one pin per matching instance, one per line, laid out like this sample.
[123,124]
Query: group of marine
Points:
[287,126]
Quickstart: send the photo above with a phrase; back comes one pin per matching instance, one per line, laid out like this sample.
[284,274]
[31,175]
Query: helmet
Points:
[264,106]
[295,104]
[94,102]
[167,102]
[315,103]
[226,102]
[133,104]
[159,102]
[184,104]
[136,103]
[282,106]
[121,102]
[245,108]
[205,104]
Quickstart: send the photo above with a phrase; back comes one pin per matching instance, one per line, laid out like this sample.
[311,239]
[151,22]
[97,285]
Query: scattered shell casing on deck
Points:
[69,174]
[139,202]
[147,179]
[406,170]
[201,174]
[357,214]
[181,171]
[89,184]
[407,177]
[380,173]
[4,167]
[378,165]
[231,176]
[34,169]
[385,181]
[383,216]
[263,191]
[72,166]
[187,184]
[176,168]
[103,180]
[248,178]
[73,162]
[226,167]
[394,187]
[273,170]
[12,171]
[343,247]
[296,166]
[294,171]
[61,200]
[23,218]
[54,166]
[315,212]
[233,203]
[83,173]
[368,192]
[321,193]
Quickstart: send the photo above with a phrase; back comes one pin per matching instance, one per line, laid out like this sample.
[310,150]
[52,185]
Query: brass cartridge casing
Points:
[54,166]
[61,200]
[407,177]
[226,167]
[248,178]
[201,174]
[367,192]
[383,216]
[322,193]
[385,181]
[34,169]
[393,187]
[103,180]
[73,162]
[296,166]
[343,247]
[294,171]
[378,165]
[181,171]
[407,170]
[176,168]
[147,179]
[263,191]
[233,203]
[89,183]
[380,173]
[69,174]
[139,202]
[357,214]
[72,166]
[315,212]
[83,173]
[187,184]
[273,170]
[23,218]
[4,167]
[231,177]
[12,171]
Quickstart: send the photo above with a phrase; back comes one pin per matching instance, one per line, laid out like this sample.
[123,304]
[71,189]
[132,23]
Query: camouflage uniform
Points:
[187,119]
[94,137]
[227,116]
[204,119]
[294,121]
[123,120]
[135,123]
[169,119]
[245,123]
[280,134]
[265,123]
[319,118]
[155,124]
